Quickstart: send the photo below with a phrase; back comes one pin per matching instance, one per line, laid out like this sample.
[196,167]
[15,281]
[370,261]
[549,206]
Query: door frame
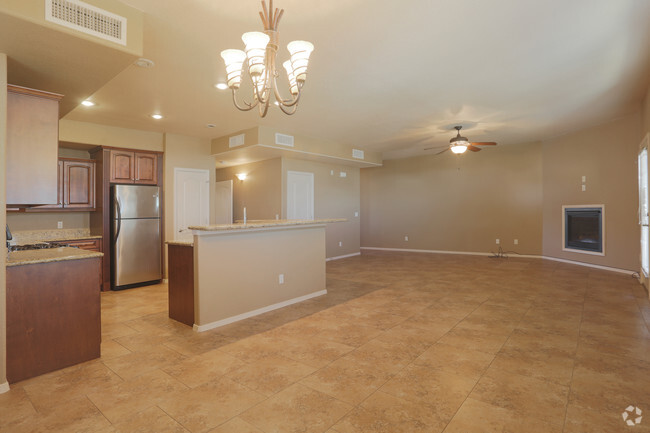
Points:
[644,145]
[176,207]
[311,204]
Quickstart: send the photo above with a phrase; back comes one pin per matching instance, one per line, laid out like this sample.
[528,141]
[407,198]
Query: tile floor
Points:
[401,343]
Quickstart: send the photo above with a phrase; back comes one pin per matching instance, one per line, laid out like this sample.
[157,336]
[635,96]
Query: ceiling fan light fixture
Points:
[458,148]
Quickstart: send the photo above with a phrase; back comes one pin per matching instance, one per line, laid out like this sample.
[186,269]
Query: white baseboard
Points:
[530,256]
[329,259]
[229,320]
[4,387]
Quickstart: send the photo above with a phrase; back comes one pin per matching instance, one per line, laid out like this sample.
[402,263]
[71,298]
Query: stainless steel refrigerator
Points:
[135,236]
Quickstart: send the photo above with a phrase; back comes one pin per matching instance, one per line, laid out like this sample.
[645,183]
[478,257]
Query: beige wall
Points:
[47,220]
[456,203]
[183,152]
[237,272]
[264,195]
[260,193]
[3,202]
[334,197]
[102,135]
[606,155]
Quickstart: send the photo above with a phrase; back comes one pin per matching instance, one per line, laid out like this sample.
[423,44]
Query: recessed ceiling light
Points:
[144,63]
[87,103]
[221,86]
[157,116]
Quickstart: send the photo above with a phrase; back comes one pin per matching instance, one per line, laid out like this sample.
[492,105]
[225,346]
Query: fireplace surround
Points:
[583,229]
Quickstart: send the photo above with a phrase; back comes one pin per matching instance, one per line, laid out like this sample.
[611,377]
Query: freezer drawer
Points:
[136,252]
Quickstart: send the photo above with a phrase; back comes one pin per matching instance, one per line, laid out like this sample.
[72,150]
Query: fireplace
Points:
[583,229]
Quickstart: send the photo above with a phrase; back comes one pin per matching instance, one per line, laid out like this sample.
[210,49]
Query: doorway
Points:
[643,207]
[223,202]
[300,195]
[191,200]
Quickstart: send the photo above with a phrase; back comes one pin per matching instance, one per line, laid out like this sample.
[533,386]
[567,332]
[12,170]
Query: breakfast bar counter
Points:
[242,270]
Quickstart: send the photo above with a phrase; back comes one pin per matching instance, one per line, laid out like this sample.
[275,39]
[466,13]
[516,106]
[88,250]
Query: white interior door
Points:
[191,200]
[300,195]
[223,202]
[643,208]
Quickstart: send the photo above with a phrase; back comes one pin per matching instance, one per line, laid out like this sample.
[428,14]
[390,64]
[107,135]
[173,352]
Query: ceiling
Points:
[395,77]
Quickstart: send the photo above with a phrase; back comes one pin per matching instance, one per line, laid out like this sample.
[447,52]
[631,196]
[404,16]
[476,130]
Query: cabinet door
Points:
[32,147]
[146,168]
[79,184]
[59,202]
[122,166]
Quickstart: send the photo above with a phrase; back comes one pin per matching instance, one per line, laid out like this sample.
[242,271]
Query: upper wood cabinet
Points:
[78,184]
[122,166]
[146,168]
[133,167]
[32,146]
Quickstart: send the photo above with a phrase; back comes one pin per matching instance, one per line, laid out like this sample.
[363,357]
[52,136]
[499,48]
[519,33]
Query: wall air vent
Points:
[236,140]
[358,154]
[284,140]
[87,19]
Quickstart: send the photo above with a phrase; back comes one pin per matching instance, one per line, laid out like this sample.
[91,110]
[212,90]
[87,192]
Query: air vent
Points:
[236,140]
[358,154]
[87,19]
[284,140]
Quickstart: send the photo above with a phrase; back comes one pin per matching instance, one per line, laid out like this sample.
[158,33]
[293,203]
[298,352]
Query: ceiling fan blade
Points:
[484,143]
[473,149]
[435,147]
[442,151]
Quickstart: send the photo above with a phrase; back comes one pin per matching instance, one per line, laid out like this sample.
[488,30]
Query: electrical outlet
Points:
[59,224]
[340,244]
[516,241]
[281,279]
[498,241]
[331,172]
[584,187]
[356,214]
[277,216]
[343,174]
[406,238]
[584,179]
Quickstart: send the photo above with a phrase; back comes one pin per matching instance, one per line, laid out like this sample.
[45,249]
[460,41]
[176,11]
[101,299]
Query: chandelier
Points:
[261,50]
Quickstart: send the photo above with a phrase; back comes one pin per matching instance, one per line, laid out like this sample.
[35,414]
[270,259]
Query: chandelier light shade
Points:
[260,60]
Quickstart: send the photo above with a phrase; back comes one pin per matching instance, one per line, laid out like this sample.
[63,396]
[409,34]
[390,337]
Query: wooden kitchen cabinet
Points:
[54,325]
[76,186]
[146,168]
[32,146]
[134,167]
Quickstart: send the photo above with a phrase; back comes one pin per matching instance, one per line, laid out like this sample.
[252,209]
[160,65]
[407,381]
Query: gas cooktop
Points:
[38,246]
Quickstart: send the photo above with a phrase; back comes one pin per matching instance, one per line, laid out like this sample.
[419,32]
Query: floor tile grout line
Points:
[484,371]
[575,355]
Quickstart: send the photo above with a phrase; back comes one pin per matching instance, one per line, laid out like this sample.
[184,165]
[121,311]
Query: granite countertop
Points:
[74,238]
[17,258]
[187,243]
[255,224]
[54,235]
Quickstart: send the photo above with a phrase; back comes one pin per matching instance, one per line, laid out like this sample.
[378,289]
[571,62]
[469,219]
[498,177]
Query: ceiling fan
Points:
[461,144]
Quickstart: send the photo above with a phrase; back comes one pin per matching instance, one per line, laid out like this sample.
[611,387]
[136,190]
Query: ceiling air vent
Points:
[236,140]
[284,140]
[87,19]
[358,154]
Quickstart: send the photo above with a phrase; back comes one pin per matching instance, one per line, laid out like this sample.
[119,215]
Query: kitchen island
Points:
[53,310]
[242,270]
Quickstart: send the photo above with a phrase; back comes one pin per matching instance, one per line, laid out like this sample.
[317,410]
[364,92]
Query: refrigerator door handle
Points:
[118,214]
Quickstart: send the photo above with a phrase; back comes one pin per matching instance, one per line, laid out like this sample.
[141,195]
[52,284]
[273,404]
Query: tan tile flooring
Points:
[402,343]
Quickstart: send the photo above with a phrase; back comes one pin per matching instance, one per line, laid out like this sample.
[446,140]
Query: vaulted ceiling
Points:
[395,76]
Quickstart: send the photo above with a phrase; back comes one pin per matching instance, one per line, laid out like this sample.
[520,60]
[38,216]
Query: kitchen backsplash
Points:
[32,236]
